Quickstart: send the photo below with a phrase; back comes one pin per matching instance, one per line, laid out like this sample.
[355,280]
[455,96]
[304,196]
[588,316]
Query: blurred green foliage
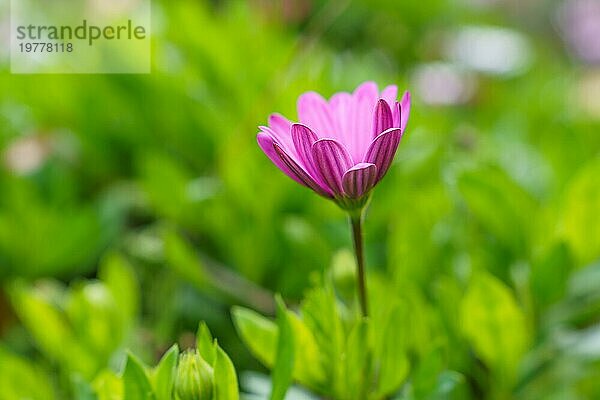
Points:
[134,206]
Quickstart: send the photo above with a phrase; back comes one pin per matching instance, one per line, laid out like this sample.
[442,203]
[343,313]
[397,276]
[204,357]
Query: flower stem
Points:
[356,222]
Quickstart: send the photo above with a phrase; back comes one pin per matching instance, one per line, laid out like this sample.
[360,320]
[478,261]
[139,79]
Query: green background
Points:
[488,223]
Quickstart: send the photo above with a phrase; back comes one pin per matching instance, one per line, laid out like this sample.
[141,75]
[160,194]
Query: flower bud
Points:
[194,379]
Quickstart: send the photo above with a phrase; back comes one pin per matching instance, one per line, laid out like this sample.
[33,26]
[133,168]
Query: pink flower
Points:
[341,148]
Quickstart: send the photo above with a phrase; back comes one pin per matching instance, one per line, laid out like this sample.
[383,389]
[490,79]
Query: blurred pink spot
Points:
[25,155]
[580,24]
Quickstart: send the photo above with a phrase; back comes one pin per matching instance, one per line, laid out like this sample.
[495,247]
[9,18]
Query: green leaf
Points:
[43,320]
[96,321]
[205,344]
[258,333]
[108,386]
[424,378]
[549,275]
[182,258]
[165,182]
[260,336]
[308,364]
[135,381]
[495,326]
[580,216]
[501,206]
[22,379]
[357,361]
[284,364]
[118,275]
[446,385]
[82,390]
[163,375]
[391,359]
[321,314]
[451,385]
[226,384]
[85,316]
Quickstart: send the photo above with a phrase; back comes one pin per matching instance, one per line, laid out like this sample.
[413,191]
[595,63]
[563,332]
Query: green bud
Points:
[194,379]
[343,270]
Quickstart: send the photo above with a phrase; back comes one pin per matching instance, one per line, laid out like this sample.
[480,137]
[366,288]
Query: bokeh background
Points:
[134,206]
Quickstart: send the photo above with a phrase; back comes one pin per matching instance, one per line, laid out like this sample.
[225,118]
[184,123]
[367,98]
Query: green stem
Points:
[356,222]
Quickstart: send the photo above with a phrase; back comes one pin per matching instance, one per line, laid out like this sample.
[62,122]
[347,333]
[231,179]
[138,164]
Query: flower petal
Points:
[364,101]
[389,94]
[304,177]
[358,180]
[331,162]
[382,150]
[368,90]
[341,106]
[279,129]
[382,119]
[266,142]
[303,139]
[313,111]
[280,124]
[286,164]
[404,110]
[396,114]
